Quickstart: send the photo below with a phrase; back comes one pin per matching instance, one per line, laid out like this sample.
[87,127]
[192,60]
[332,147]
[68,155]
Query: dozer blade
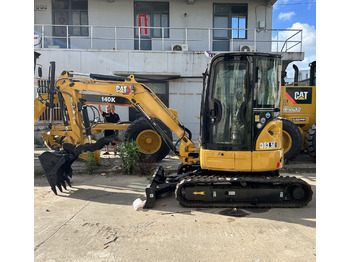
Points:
[160,185]
[151,190]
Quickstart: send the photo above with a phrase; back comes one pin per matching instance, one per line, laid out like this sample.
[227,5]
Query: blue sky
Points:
[288,12]
[298,14]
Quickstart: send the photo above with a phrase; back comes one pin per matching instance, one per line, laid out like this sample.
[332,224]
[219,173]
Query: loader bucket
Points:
[57,168]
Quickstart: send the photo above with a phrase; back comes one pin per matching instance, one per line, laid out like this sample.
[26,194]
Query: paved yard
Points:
[96,222]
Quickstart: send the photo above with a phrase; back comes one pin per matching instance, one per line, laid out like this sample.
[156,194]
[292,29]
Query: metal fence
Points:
[42,86]
[165,38]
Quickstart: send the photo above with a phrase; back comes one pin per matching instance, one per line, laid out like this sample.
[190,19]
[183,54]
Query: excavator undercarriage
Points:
[202,188]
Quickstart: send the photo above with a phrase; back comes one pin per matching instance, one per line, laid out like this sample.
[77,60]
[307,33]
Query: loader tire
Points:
[148,141]
[310,141]
[292,139]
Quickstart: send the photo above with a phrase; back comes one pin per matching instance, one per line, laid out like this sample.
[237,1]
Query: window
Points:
[70,12]
[266,90]
[231,16]
[229,93]
[151,14]
[239,20]
[238,27]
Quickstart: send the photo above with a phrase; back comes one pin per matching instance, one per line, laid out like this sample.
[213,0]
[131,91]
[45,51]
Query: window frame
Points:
[153,33]
[243,142]
[69,10]
[227,7]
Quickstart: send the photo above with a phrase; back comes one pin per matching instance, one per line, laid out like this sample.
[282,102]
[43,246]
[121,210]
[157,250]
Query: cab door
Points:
[228,119]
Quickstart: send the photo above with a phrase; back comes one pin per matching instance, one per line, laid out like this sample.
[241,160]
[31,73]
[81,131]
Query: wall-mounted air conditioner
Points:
[247,48]
[179,47]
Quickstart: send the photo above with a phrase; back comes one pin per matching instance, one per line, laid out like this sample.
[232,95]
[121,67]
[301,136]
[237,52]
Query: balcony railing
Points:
[164,38]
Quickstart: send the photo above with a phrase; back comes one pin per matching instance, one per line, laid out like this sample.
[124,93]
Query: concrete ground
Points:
[96,221]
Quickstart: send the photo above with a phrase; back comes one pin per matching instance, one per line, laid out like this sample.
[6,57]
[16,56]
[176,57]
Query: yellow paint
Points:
[267,160]
[225,160]
[293,112]
[264,158]
[272,133]
[199,193]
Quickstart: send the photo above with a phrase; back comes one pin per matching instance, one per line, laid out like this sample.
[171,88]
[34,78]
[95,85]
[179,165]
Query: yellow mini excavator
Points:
[240,154]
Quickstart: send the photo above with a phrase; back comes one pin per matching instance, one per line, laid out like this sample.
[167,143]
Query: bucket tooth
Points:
[53,188]
[64,185]
[59,187]
[68,181]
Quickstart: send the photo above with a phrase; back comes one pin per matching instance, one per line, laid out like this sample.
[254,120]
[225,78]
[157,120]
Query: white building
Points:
[161,42]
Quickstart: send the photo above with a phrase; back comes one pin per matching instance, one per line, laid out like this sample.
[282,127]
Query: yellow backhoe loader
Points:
[240,154]
[148,141]
[298,110]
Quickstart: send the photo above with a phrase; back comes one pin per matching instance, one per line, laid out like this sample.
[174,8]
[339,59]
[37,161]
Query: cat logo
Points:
[300,95]
[125,90]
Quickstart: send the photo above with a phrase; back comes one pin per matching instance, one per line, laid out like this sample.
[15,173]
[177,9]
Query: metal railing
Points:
[42,87]
[163,38]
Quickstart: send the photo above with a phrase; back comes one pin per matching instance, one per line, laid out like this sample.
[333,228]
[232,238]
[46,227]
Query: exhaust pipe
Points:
[312,73]
[296,74]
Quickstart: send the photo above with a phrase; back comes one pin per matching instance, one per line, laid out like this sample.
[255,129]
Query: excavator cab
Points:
[240,99]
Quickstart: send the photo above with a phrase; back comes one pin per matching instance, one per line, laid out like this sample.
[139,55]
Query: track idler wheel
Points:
[298,193]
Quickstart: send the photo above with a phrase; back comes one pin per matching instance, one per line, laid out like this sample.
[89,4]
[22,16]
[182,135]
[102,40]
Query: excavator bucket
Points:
[57,163]
[57,168]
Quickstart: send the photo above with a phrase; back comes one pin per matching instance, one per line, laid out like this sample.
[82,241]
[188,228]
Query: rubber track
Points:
[278,180]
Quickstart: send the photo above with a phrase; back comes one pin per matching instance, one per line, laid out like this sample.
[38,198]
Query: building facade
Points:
[161,42]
